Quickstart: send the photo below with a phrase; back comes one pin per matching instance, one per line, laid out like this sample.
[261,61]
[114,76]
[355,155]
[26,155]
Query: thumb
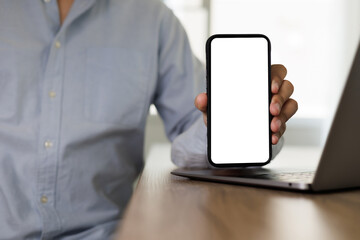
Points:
[201,102]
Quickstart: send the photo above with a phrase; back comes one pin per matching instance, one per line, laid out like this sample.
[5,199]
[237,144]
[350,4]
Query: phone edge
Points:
[208,92]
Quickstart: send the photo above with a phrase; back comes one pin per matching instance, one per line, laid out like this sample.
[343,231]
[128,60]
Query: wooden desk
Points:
[169,207]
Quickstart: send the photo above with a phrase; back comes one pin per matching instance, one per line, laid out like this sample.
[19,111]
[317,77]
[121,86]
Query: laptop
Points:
[339,166]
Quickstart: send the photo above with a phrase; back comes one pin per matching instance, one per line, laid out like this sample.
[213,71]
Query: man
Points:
[77,79]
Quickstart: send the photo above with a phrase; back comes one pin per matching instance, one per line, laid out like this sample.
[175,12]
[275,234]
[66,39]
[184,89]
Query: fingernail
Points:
[275,139]
[275,87]
[278,123]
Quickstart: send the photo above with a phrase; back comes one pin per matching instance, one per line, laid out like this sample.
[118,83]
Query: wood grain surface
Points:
[169,207]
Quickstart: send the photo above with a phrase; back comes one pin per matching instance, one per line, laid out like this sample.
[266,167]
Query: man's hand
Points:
[282,107]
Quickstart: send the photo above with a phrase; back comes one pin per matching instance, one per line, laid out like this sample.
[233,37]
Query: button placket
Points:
[49,132]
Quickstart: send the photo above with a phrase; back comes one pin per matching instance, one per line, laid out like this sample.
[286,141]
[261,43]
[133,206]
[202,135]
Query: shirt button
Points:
[52,94]
[43,199]
[48,144]
[57,44]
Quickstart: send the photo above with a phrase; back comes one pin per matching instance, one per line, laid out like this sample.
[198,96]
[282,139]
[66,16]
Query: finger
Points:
[281,97]
[276,124]
[205,118]
[276,136]
[274,139]
[278,73]
[288,110]
[201,102]
[278,69]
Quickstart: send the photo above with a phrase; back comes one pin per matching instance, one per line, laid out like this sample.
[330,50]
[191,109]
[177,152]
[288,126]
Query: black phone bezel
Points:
[208,91]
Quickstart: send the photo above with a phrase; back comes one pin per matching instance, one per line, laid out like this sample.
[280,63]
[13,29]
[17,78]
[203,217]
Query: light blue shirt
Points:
[73,106]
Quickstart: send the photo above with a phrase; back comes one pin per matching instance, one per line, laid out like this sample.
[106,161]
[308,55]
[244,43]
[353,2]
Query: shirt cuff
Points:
[189,149]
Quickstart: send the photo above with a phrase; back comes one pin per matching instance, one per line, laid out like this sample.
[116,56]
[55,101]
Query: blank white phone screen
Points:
[239,100]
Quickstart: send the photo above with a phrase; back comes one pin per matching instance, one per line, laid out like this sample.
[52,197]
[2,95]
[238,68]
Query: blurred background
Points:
[315,39]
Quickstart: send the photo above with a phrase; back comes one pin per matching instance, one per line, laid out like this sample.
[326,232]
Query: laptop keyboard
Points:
[298,177]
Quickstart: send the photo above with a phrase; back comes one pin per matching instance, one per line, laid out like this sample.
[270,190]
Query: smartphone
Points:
[238,89]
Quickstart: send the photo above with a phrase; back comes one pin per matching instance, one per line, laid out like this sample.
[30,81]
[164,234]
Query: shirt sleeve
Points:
[181,78]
